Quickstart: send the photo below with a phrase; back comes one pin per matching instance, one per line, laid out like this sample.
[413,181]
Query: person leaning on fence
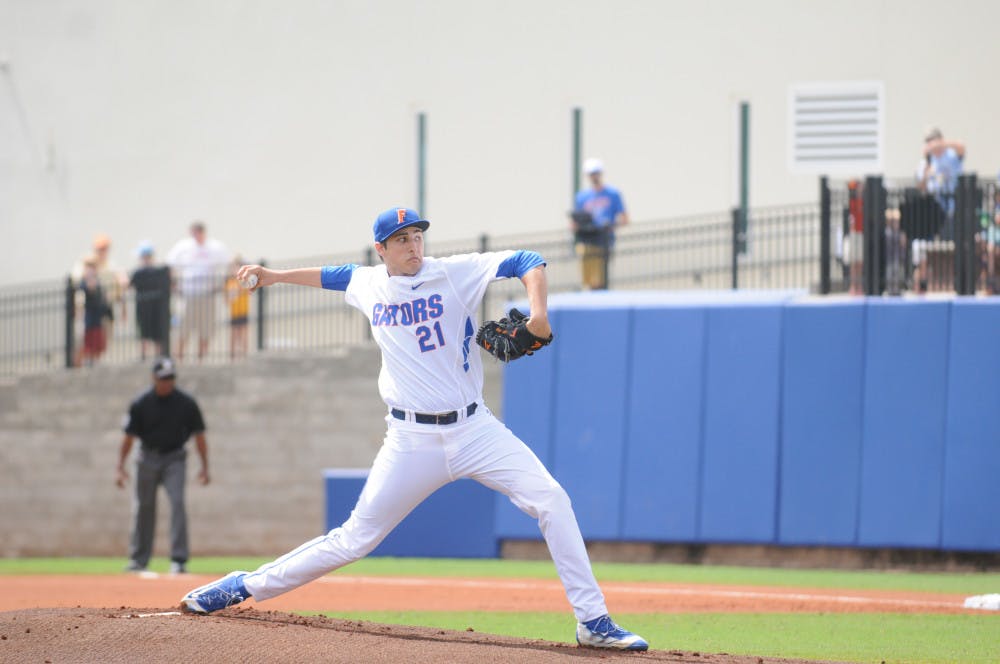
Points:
[238,298]
[895,253]
[151,283]
[989,277]
[597,211]
[198,263]
[937,174]
[113,283]
[162,418]
[855,254]
[96,313]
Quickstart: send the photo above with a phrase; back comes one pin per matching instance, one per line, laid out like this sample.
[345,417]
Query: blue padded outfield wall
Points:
[755,417]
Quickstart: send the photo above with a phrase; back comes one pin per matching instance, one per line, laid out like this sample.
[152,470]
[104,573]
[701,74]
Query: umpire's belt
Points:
[433,418]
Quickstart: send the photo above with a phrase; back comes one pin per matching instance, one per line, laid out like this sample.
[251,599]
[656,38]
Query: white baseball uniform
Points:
[425,327]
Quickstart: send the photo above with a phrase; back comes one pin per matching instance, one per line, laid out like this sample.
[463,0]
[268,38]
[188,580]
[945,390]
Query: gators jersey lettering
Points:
[425,326]
[407,313]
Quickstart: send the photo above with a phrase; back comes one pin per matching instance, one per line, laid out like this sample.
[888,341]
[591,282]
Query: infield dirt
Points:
[68,619]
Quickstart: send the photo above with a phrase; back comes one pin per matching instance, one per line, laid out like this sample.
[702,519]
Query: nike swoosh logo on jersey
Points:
[417,286]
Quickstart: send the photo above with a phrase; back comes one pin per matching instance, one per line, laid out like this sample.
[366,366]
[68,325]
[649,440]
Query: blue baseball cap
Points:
[395,219]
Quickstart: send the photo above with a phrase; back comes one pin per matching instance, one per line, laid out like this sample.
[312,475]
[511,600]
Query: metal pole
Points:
[261,314]
[965,235]
[606,258]
[874,234]
[744,173]
[421,162]
[824,236]
[70,316]
[484,246]
[958,255]
[369,259]
[737,217]
[164,304]
[972,227]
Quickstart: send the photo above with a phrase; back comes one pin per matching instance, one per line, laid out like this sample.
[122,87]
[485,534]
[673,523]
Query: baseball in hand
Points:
[249,281]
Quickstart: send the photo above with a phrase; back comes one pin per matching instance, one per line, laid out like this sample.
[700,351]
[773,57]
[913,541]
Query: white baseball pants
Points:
[416,460]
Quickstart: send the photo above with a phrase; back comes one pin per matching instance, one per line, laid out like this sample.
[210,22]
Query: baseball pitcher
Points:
[421,310]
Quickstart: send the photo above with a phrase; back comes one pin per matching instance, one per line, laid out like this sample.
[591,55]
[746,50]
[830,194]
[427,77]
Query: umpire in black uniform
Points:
[163,418]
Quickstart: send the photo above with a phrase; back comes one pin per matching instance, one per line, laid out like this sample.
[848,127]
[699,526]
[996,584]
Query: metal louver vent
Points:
[836,128]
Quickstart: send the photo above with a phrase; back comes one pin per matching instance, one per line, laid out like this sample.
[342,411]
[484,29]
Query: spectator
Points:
[96,311]
[113,284]
[596,213]
[197,263]
[895,253]
[989,277]
[112,278]
[151,283]
[239,311]
[938,174]
[162,418]
[856,237]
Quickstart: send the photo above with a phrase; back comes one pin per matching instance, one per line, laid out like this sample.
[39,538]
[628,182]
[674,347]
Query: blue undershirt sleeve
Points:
[336,277]
[519,264]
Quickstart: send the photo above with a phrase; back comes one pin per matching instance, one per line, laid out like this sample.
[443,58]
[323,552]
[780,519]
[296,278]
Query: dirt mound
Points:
[165,636]
[248,634]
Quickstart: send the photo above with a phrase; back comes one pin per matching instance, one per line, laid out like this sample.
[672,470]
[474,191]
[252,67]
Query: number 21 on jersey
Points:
[427,335]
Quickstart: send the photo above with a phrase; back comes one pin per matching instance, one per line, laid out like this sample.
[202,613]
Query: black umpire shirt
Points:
[164,424]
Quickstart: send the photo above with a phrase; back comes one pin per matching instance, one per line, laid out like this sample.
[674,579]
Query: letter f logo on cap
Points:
[395,219]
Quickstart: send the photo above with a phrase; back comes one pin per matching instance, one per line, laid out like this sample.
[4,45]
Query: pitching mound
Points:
[165,636]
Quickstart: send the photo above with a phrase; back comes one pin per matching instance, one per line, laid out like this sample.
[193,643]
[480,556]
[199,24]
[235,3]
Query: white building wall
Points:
[287,126]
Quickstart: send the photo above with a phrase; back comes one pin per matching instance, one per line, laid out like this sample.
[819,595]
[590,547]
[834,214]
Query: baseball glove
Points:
[508,338]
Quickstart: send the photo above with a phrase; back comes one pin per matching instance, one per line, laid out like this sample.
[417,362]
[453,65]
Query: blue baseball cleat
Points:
[604,633]
[225,592]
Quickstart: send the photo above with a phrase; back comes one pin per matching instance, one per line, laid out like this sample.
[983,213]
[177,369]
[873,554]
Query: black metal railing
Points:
[42,325]
[887,236]
[33,327]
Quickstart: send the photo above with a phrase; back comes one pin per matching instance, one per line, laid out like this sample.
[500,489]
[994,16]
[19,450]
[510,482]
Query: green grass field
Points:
[911,638]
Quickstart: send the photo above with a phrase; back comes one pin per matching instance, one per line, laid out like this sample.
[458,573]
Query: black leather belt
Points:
[431,418]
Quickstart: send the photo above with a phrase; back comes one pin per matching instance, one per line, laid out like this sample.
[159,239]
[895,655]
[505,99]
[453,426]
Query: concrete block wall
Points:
[274,424]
